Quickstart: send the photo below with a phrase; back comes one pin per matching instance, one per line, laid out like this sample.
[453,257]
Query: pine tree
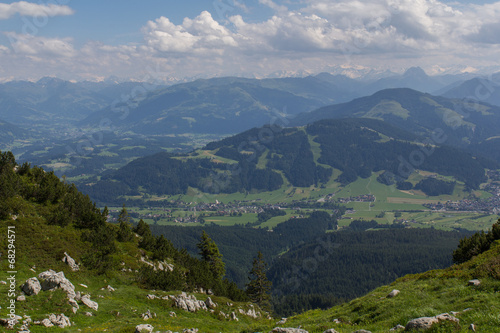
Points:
[210,254]
[125,233]
[259,287]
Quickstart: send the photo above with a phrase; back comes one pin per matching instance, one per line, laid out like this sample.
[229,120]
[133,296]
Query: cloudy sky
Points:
[95,39]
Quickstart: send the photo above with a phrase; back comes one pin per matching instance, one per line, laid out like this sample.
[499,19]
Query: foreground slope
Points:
[422,295]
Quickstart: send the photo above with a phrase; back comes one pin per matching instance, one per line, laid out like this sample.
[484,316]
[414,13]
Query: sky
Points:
[171,40]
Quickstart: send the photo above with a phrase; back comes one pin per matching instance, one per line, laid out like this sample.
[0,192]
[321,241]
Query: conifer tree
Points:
[125,233]
[259,287]
[211,255]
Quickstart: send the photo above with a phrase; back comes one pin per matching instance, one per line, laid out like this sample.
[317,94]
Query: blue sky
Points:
[90,39]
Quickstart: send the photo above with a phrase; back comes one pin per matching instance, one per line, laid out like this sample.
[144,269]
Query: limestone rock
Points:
[288,330]
[52,280]
[46,323]
[111,289]
[60,320]
[233,316]
[148,315]
[474,282]
[282,321]
[70,262]
[393,293]
[210,304]
[144,328]
[398,327]
[189,303]
[421,323]
[88,302]
[190,330]
[427,322]
[32,286]
[173,314]
[21,298]
[473,328]
[362,331]
[331,330]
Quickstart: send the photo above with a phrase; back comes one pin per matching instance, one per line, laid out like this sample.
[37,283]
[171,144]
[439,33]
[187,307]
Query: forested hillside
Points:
[267,158]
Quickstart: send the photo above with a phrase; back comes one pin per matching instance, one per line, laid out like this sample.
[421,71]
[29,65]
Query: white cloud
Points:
[201,34]
[388,34]
[40,46]
[32,9]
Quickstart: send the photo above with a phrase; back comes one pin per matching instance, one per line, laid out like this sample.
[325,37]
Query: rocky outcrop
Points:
[288,330]
[250,313]
[474,282]
[148,315]
[88,302]
[210,304]
[32,286]
[189,303]
[393,293]
[52,280]
[144,328]
[70,262]
[55,320]
[427,322]
[397,328]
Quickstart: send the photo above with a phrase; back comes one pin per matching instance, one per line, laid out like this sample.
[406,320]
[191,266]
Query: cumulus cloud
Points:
[32,9]
[388,34]
[201,34]
[40,46]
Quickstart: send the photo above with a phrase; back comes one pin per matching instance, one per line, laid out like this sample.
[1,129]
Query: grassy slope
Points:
[40,247]
[426,294]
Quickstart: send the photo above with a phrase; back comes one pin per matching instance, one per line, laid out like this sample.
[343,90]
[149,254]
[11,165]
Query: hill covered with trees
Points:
[267,158]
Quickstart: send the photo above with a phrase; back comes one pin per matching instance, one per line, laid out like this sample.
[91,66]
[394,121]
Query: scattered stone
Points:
[144,328]
[398,327]
[190,330]
[282,321]
[32,286]
[336,321]
[427,322]
[288,330]
[52,280]
[233,316]
[229,304]
[151,297]
[3,282]
[10,323]
[148,315]
[46,323]
[474,282]
[111,289]
[70,262]
[472,327]
[446,316]
[83,285]
[362,331]
[331,330]
[21,298]
[88,302]
[468,309]
[210,304]
[173,314]
[60,320]
[89,314]
[393,293]
[189,303]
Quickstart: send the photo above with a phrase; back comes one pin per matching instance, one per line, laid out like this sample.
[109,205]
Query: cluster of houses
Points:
[490,205]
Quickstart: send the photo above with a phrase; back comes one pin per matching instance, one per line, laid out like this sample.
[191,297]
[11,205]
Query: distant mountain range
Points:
[49,99]
[458,121]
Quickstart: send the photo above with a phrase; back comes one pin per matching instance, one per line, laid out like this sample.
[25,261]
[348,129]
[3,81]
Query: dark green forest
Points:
[264,156]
